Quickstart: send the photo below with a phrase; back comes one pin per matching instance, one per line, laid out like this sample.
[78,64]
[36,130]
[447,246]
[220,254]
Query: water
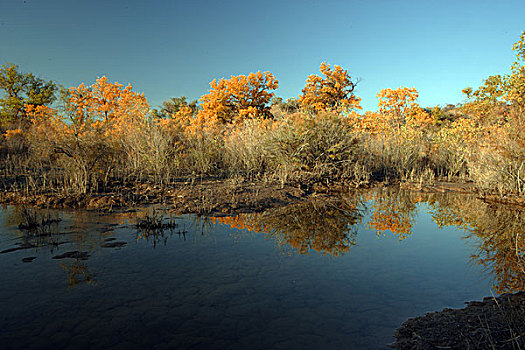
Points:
[317,275]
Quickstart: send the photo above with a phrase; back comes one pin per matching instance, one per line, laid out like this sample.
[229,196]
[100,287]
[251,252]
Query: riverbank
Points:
[207,196]
[223,197]
[494,323]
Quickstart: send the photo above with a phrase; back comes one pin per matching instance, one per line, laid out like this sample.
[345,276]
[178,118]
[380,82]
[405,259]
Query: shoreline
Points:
[493,323]
[226,197]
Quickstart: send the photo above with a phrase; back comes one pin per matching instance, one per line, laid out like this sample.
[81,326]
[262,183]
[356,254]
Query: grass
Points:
[154,220]
[32,221]
[297,148]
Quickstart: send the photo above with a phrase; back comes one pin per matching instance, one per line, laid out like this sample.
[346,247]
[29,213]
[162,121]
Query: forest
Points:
[85,139]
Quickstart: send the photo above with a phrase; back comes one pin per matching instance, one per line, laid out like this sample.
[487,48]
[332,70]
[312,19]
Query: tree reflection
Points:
[329,226]
[325,226]
[77,273]
[392,210]
[497,230]
[500,234]
[502,247]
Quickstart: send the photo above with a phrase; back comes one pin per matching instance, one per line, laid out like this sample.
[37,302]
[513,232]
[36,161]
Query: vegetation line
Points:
[86,139]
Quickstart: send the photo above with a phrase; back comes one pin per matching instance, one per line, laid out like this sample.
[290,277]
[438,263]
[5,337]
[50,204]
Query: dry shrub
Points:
[314,148]
[151,153]
[247,148]
[203,151]
[405,156]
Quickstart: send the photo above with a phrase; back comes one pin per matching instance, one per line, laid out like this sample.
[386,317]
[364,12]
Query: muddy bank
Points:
[214,197]
[494,323]
[221,197]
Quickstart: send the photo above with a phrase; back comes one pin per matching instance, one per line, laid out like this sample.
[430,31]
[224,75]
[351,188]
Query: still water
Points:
[330,273]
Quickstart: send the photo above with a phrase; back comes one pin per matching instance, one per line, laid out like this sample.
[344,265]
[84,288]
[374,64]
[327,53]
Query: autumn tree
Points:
[500,97]
[95,122]
[399,107]
[22,89]
[110,104]
[238,98]
[515,82]
[496,111]
[334,91]
[176,107]
[485,105]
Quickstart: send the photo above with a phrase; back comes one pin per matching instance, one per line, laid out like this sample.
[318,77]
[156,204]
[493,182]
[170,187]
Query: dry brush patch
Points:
[106,133]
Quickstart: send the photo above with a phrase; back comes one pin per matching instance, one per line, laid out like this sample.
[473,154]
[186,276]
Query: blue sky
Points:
[173,48]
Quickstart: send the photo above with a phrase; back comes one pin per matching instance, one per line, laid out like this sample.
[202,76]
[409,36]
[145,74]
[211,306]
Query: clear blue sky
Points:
[173,48]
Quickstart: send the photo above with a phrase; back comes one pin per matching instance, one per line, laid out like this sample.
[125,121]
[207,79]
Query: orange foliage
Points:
[110,106]
[38,113]
[370,123]
[240,222]
[238,98]
[48,125]
[333,92]
[13,134]
[399,108]
[103,109]
[392,213]
[392,221]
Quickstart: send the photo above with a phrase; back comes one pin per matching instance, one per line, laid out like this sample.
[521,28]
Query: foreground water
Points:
[338,273]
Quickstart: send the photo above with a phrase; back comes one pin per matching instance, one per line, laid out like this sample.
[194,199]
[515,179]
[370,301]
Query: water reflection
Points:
[206,289]
[36,229]
[155,227]
[69,238]
[392,211]
[325,225]
[500,235]
[331,226]
[77,272]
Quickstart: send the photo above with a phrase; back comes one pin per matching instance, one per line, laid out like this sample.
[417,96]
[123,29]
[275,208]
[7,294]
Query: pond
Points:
[328,273]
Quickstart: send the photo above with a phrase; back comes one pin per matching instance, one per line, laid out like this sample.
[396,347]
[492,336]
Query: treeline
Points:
[85,138]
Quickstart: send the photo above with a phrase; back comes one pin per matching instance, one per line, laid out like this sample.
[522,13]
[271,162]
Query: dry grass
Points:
[297,148]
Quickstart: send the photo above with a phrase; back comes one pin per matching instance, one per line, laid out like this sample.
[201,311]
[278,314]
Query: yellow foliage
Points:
[238,98]
[333,92]
[397,105]
[108,106]
[13,134]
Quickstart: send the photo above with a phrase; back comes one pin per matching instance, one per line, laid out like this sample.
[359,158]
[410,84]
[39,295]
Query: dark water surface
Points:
[342,274]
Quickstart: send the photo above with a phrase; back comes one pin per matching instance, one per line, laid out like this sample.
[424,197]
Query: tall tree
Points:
[21,89]
[240,97]
[332,92]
